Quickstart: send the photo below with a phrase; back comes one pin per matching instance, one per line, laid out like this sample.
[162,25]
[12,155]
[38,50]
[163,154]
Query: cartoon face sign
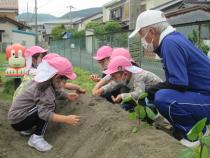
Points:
[15,55]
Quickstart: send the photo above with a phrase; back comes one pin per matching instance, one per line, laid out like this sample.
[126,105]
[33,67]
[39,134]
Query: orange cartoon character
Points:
[15,54]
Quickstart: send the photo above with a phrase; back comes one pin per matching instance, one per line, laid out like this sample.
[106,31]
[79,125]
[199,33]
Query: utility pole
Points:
[27,13]
[70,8]
[36,29]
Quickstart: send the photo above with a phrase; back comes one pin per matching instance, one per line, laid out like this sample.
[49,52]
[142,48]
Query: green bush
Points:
[193,37]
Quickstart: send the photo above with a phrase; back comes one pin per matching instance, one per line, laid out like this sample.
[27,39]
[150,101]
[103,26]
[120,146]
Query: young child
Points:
[102,57]
[34,56]
[105,80]
[35,106]
[124,73]
[32,72]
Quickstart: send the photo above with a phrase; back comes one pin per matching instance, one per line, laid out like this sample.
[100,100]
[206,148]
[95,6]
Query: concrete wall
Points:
[83,24]
[26,39]
[7,34]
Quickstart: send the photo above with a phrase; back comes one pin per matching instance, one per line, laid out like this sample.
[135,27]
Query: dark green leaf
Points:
[204,153]
[132,116]
[127,100]
[206,141]
[150,113]
[186,153]
[142,96]
[135,130]
[140,111]
[193,134]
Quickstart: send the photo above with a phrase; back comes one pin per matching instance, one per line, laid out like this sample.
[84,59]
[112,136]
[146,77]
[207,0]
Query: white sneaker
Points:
[189,144]
[194,144]
[39,143]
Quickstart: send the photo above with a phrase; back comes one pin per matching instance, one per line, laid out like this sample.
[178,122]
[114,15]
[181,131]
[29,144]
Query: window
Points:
[142,7]
[116,14]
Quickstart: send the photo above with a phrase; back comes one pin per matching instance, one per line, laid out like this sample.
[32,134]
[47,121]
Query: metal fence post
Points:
[92,53]
[80,55]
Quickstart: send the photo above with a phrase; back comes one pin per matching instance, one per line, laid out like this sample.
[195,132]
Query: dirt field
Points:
[104,132]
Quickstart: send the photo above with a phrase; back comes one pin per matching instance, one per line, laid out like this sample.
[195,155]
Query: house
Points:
[45,27]
[196,17]
[9,8]
[117,10]
[81,24]
[138,6]
[9,32]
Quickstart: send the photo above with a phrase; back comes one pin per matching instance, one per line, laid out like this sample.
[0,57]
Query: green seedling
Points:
[196,134]
[141,112]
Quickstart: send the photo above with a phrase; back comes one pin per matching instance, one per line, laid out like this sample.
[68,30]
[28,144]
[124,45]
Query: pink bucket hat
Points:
[50,56]
[121,52]
[103,52]
[32,51]
[59,65]
[120,63]
[35,50]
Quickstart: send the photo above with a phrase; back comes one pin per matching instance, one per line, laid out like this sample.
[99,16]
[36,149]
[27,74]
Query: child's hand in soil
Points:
[72,96]
[117,99]
[81,90]
[95,78]
[98,92]
[72,120]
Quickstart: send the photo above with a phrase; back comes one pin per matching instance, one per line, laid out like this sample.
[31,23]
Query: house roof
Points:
[6,19]
[167,5]
[113,2]
[24,32]
[9,4]
[186,10]
[88,17]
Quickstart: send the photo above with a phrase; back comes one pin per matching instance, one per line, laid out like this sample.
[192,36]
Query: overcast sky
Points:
[58,7]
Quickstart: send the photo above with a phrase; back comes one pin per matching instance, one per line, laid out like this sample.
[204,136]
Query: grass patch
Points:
[83,79]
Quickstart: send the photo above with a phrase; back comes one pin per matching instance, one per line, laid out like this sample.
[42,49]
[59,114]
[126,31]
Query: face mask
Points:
[146,45]
[58,83]
[122,81]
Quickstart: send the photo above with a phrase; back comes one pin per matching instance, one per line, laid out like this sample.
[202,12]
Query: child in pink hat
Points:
[34,56]
[105,80]
[103,55]
[123,72]
[35,106]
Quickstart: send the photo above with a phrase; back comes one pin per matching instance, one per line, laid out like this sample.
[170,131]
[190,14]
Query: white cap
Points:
[148,18]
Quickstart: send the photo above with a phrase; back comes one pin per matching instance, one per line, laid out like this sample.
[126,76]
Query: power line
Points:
[43,4]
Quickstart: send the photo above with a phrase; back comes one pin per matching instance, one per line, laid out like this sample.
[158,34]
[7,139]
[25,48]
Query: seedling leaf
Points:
[140,111]
[150,113]
[132,116]
[206,141]
[186,153]
[127,100]
[204,153]
[193,134]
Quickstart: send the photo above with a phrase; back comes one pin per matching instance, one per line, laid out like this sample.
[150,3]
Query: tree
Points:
[78,34]
[112,26]
[193,37]
[104,28]
[57,32]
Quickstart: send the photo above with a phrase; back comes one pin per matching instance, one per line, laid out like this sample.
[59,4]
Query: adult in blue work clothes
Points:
[184,98]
